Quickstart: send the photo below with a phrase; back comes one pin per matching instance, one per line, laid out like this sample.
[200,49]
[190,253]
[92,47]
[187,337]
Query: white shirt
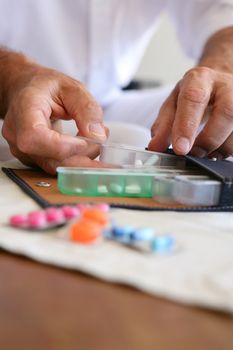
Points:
[101,42]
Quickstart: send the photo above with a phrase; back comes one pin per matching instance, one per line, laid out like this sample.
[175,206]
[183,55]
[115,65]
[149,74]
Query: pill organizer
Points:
[111,182]
[123,155]
[187,189]
[105,182]
[126,156]
[168,178]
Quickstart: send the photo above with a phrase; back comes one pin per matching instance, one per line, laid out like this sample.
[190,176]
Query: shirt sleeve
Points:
[197,20]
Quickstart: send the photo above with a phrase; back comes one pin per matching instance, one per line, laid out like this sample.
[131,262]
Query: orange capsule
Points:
[96,215]
[85,231]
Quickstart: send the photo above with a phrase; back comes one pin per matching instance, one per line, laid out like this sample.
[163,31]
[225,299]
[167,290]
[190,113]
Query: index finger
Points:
[35,138]
[84,109]
[194,96]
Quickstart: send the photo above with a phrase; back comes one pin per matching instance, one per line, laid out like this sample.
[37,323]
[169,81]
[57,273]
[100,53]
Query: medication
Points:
[102,189]
[133,189]
[103,207]
[85,231]
[138,163]
[45,219]
[70,212]
[141,239]
[92,223]
[19,220]
[37,219]
[106,182]
[116,189]
[142,234]
[121,155]
[54,215]
[162,243]
[96,215]
[122,232]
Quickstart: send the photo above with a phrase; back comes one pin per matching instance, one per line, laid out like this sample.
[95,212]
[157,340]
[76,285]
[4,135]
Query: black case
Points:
[222,170]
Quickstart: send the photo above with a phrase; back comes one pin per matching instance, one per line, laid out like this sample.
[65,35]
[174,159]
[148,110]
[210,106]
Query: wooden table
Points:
[43,307]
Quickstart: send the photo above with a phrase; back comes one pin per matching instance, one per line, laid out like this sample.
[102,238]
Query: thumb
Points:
[85,110]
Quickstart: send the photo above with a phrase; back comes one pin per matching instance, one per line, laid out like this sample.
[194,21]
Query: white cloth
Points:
[199,272]
[101,42]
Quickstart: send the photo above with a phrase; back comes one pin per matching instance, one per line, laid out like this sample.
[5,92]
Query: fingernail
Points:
[182,145]
[97,129]
[199,152]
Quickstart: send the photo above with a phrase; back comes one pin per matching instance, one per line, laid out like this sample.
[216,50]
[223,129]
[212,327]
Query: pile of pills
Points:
[90,223]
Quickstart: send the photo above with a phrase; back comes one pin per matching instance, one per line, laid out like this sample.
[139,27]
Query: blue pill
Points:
[122,231]
[142,234]
[162,243]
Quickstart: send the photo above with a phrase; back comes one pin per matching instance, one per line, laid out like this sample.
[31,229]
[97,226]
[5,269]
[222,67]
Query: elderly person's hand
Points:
[35,97]
[206,88]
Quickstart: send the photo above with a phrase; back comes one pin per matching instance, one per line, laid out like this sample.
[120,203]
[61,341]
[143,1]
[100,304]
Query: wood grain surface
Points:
[43,307]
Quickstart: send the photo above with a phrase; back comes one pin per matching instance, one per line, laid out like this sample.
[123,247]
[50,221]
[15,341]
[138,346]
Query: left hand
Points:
[182,113]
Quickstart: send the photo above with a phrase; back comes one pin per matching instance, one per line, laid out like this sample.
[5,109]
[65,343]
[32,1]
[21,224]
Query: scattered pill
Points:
[142,234]
[70,212]
[19,220]
[122,231]
[97,215]
[54,215]
[37,219]
[103,207]
[141,239]
[85,231]
[162,243]
[93,223]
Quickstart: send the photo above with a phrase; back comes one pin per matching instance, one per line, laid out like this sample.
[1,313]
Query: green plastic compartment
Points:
[105,182]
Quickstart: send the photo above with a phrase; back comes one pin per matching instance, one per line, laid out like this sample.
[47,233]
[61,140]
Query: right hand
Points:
[37,99]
